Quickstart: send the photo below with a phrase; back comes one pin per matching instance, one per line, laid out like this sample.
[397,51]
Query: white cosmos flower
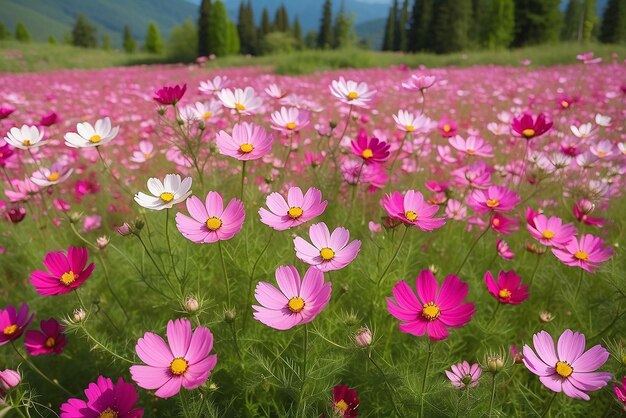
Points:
[25,137]
[275,92]
[351,92]
[57,173]
[583,131]
[165,194]
[245,102]
[89,136]
[207,112]
[213,86]
[603,120]
[409,122]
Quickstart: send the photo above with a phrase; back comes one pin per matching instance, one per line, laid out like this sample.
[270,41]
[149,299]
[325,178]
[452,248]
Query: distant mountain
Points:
[373,31]
[56,17]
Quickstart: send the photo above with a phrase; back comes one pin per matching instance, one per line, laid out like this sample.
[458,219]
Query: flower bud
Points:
[9,379]
[545,316]
[332,124]
[363,337]
[75,217]
[161,111]
[191,304]
[230,315]
[494,363]
[79,315]
[102,242]
[139,224]
[124,229]
[433,269]
[16,214]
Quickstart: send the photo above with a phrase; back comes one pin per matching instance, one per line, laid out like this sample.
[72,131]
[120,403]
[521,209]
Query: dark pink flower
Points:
[66,272]
[170,95]
[412,210]
[5,111]
[13,322]
[105,399]
[507,289]
[528,128]
[494,199]
[371,150]
[588,253]
[345,401]
[503,225]
[50,340]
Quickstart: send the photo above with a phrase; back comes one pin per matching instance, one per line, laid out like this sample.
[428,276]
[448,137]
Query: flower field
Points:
[386,242]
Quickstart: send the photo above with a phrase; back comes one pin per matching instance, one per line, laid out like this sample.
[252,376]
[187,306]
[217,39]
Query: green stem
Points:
[395,158]
[167,280]
[219,246]
[493,393]
[39,372]
[580,281]
[108,283]
[243,179]
[235,341]
[545,412]
[143,279]
[251,279]
[532,276]
[391,391]
[169,246]
[304,366]
[458,270]
[108,169]
[380,279]
[493,315]
[524,164]
[430,352]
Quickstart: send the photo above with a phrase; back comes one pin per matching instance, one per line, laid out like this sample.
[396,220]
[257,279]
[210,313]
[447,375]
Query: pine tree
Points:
[154,41]
[246,29]
[218,30]
[21,33]
[183,42]
[499,24]
[296,31]
[613,29]
[449,30]
[129,43]
[588,21]
[343,31]
[390,27]
[203,28]
[571,21]
[419,26]
[325,34]
[537,22]
[281,20]
[266,26]
[4,32]
[233,44]
[84,33]
[400,37]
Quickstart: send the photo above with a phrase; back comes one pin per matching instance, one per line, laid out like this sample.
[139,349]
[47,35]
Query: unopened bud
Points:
[79,315]
[139,224]
[161,111]
[433,269]
[191,304]
[545,316]
[75,217]
[230,315]
[363,337]
[494,363]
[102,242]
[332,124]
[124,229]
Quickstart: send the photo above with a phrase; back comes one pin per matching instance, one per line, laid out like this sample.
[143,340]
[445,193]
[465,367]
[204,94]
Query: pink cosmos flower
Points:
[244,102]
[419,82]
[49,119]
[50,340]
[184,361]
[528,128]
[145,152]
[13,322]
[503,225]
[587,253]
[620,392]
[297,210]
[550,231]
[433,310]
[329,251]
[447,127]
[372,150]
[105,399]
[5,111]
[247,142]
[57,173]
[8,380]
[463,375]
[455,210]
[170,95]
[209,221]
[507,288]
[494,199]
[352,93]
[213,86]
[570,369]
[66,272]
[289,120]
[473,145]
[412,210]
[409,122]
[92,222]
[6,152]
[295,301]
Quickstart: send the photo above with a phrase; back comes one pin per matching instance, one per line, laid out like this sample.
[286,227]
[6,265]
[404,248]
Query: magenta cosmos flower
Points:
[620,392]
[507,289]
[105,399]
[433,310]
[209,221]
[295,301]
[464,375]
[494,199]
[587,253]
[185,361]
[345,401]
[329,251]
[13,322]
[50,340]
[550,231]
[412,210]
[247,142]
[66,272]
[570,369]
[296,210]
[371,150]
[170,95]
[528,128]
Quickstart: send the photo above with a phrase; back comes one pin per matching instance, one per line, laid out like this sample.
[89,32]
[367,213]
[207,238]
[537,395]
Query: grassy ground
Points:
[17,57]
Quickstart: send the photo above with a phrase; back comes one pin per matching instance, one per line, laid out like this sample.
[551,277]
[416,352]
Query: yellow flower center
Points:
[240,107]
[581,255]
[410,128]
[367,153]
[207,115]
[470,151]
[431,311]
[50,342]
[214,223]
[295,212]
[95,139]
[547,234]
[167,197]
[10,330]
[327,254]
[493,203]
[342,406]
[108,413]
[147,155]
[446,128]
[565,104]
[528,133]
[495,222]
[291,126]
[563,369]
[296,304]
[179,366]
[26,142]
[410,215]
[246,148]
[68,278]
[54,176]
[353,95]
[504,293]
[601,154]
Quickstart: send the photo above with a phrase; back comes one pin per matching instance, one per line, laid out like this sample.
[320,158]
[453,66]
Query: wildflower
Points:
[345,401]
[296,210]
[275,92]
[582,209]
[145,152]
[586,130]
[587,253]
[363,337]
[409,122]
[620,392]
[503,225]
[15,214]
[507,288]
[352,93]
[473,145]
[247,142]
[329,251]
[371,150]
[5,111]
[57,173]
[13,322]
[570,369]
[447,127]
[433,310]
[213,86]
[463,375]
[105,399]
[8,380]
[66,272]
[295,301]
[289,120]
[49,119]
[551,231]
[545,317]
[210,221]
[25,137]
[166,194]
[102,242]
[50,340]
[494,199]
[89,136]
[170,95]
[207,112]
[184,361]
[419,82]
[244,102]
[412,210]
[528,128]
[603,120]
[6,152]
